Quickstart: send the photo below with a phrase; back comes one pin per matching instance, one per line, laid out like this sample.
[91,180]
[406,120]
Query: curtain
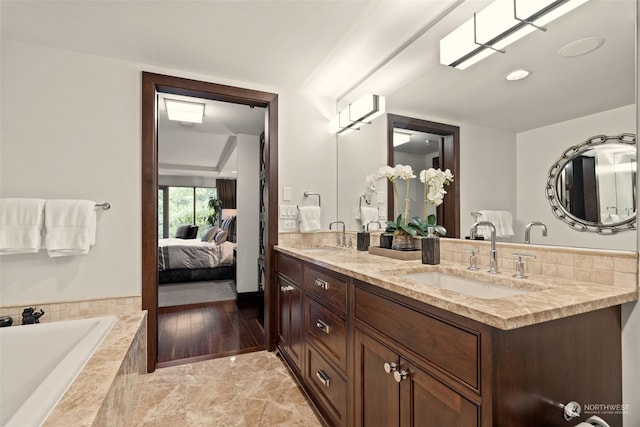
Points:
[227,192]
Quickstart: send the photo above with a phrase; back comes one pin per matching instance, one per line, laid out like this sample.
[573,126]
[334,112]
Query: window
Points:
[182,205]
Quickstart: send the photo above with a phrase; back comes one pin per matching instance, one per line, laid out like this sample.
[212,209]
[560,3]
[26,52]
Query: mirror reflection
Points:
[512,131]
[594,184]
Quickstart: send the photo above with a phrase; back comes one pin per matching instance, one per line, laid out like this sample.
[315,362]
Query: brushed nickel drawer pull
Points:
[323,377]
[286,288]
[322,284]
[323,326]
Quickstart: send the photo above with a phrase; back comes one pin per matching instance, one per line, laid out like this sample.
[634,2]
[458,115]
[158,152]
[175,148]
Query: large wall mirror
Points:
[511,132]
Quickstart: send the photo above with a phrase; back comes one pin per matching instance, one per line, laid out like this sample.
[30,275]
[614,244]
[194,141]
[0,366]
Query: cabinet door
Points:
[376,392]
[426,402]
[290,319]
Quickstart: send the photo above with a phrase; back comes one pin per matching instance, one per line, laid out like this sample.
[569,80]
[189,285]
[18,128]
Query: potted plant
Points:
[403,228]
[215,209]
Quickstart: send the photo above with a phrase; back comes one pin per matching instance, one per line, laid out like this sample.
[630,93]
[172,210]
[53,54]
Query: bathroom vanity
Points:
[373,346]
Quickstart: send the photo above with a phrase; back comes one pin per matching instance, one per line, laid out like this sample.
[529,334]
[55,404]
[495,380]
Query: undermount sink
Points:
[470,287]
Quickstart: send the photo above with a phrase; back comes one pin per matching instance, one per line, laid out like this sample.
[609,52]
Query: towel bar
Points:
[308,193]
[106,206]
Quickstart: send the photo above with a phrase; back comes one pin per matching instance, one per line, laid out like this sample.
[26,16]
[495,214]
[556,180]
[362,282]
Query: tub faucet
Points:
[527,231]
[31,316]
[493,255]
[341,239]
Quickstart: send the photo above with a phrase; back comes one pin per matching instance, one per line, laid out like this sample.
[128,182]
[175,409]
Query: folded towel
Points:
[367,214]
[502,220]
[309,218]
[70,227]
[20,225]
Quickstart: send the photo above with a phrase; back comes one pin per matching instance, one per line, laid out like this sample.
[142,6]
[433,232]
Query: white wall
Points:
[360,153]
[70,128]
[307,153]
[248,203]
[487,173]
[631,318]
[540,148]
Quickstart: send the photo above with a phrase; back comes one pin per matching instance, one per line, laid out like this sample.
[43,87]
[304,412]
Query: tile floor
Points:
[253,389]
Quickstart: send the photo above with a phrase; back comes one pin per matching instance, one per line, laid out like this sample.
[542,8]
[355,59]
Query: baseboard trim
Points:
[244,296]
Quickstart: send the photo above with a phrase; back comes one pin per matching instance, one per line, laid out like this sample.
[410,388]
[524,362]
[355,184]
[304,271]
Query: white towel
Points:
[20,225]
[309,218]
[368,214]
[70,227]
[502,220]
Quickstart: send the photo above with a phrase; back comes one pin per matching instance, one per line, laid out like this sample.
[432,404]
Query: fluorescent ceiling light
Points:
[498,25]
[183,111]
[400,138]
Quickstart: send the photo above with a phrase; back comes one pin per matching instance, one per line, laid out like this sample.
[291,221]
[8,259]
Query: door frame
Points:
[449,210]
[151,84]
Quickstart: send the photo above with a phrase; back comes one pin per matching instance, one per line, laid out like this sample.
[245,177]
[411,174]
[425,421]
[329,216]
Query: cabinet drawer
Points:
[327,287]
[453,349]
[330,387]
[289,267]
[329,330]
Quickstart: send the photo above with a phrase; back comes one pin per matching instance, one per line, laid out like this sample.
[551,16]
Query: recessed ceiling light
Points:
[516,75]
[580,47]
[234,171]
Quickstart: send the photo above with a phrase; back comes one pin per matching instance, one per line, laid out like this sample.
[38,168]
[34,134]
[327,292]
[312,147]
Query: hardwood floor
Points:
[195,332]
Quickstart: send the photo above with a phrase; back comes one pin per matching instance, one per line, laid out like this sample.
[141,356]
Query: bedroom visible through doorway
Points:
[209,301]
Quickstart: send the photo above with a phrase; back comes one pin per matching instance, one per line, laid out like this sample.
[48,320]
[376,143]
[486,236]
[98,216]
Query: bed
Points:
[192,260]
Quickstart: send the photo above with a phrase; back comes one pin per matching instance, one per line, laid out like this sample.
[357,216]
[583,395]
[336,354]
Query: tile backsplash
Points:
[72,309]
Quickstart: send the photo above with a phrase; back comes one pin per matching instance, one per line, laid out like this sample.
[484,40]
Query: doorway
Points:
[152,84]
[446,138]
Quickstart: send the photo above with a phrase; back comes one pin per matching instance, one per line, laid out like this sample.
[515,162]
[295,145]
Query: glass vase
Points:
[431,248]
[403,242]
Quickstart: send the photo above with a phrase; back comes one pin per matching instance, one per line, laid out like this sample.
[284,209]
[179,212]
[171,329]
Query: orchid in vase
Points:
[402,225]
[405,228]
[434,181]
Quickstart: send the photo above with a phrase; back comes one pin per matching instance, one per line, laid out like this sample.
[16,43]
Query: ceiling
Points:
[342,49]
[208,149]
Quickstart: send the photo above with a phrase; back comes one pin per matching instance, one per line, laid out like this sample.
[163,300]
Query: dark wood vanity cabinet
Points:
[453,371]
[326,342]
[412,369]
[367,356]
[290,309]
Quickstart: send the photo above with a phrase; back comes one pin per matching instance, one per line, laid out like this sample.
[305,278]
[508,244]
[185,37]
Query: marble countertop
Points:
[546,298]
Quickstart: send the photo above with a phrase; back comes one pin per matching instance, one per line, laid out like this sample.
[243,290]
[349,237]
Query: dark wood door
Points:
[376,392]
[426,402]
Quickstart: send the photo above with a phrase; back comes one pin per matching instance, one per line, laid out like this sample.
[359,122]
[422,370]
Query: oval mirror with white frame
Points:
[592,186]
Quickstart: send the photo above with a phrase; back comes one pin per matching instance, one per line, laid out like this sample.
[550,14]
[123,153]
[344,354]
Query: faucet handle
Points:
[520,264]
[472,258]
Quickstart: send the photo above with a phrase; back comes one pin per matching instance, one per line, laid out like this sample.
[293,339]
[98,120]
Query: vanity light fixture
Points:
[498,25]
[516,75]
[183,111]
[362,111]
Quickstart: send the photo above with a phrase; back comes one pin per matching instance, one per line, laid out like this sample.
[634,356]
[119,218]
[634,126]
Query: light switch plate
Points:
[289,224]
[286,194]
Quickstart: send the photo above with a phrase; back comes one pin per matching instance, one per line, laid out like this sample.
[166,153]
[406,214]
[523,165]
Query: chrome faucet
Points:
[527,231]
[342,242]
[493,255]
[374,222]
